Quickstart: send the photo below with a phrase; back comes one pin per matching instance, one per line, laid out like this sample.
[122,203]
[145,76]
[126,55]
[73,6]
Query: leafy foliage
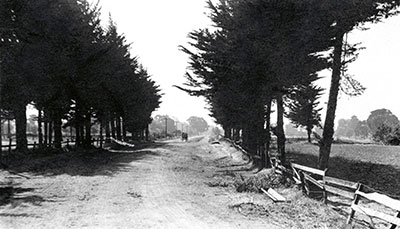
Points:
[381,117]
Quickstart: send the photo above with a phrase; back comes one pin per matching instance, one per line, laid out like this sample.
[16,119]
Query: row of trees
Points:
[55,55]
[262,52]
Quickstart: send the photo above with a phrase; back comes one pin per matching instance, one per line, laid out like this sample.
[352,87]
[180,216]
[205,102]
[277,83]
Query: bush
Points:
[387,135]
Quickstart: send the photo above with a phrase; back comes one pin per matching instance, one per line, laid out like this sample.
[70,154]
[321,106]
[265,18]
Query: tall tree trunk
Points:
[281,139]
[1,137]
[227,132]
[123,129]
[250,138]
[147,133]
[309,134]
[118,127]
[265,155]
[88,126]
[46,131]
[57,131]
[20,126]
[78,129]
[101,134]
[82,130]
[50,132]
[327,135]
[113,127]
[77,134]
[108,131]
[9,128]
[40,130]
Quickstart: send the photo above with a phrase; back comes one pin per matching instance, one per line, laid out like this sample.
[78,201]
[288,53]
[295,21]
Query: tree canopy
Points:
[261,51]
[57,56]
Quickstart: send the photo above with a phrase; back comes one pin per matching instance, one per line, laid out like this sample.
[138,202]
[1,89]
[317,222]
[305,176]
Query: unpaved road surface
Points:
[162,186]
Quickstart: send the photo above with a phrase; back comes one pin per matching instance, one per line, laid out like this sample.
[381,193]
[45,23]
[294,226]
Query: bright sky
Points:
[157,27]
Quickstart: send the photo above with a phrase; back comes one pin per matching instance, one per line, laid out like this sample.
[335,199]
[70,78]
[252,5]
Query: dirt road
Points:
[162,186]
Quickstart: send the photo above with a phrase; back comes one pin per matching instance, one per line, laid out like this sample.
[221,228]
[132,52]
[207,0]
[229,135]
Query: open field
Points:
[376,166]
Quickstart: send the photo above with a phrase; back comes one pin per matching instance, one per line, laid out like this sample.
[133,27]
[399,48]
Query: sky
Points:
[157,27]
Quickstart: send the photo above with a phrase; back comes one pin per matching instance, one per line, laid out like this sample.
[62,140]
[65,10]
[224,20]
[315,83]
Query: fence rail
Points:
[307,176]
[304,176]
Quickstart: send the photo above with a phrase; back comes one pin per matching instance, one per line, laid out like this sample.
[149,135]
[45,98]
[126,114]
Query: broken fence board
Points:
[340,182]
[394,225]
[309,169]
[314,181]
[339,192]
[283,169]
[278,196]
[269,195]
[297,181]
[382,199]
[274,195]
[297,175]
[373,213]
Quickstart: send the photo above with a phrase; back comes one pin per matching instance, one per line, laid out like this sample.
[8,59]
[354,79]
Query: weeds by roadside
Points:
[264,179]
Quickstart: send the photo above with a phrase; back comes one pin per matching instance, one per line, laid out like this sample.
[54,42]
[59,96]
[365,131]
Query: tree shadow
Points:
[24,215]
[383,178]
[17,196]
[94,162]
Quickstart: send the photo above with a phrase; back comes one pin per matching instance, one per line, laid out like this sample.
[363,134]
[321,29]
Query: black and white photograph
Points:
[197,114]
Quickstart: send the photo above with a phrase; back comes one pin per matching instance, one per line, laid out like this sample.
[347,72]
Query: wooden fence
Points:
[315,181]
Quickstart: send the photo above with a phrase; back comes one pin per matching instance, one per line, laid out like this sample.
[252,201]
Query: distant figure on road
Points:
[184,136]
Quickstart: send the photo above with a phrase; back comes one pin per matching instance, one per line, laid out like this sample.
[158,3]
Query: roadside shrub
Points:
[387,135]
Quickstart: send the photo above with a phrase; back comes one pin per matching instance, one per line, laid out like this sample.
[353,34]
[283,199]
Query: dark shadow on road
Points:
[17,196]
[383,178]
[17,215]
[94,162]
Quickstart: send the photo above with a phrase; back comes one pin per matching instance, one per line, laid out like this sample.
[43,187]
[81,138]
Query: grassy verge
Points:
[373,165]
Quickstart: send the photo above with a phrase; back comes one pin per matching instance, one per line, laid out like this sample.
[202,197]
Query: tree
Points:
[344,16]
[381,117]
[242,69]
[197,124]
[346,128]
[163,125]
[382,133]
[63,61]
[303,108]
[362,130]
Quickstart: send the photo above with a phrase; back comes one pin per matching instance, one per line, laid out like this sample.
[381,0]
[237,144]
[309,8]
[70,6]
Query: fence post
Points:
[67,141]
[34,145]
[355,202]
[101,142]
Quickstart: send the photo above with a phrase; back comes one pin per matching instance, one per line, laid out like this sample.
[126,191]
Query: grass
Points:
[376,166]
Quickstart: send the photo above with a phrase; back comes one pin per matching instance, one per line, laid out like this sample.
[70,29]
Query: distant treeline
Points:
[381,126]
